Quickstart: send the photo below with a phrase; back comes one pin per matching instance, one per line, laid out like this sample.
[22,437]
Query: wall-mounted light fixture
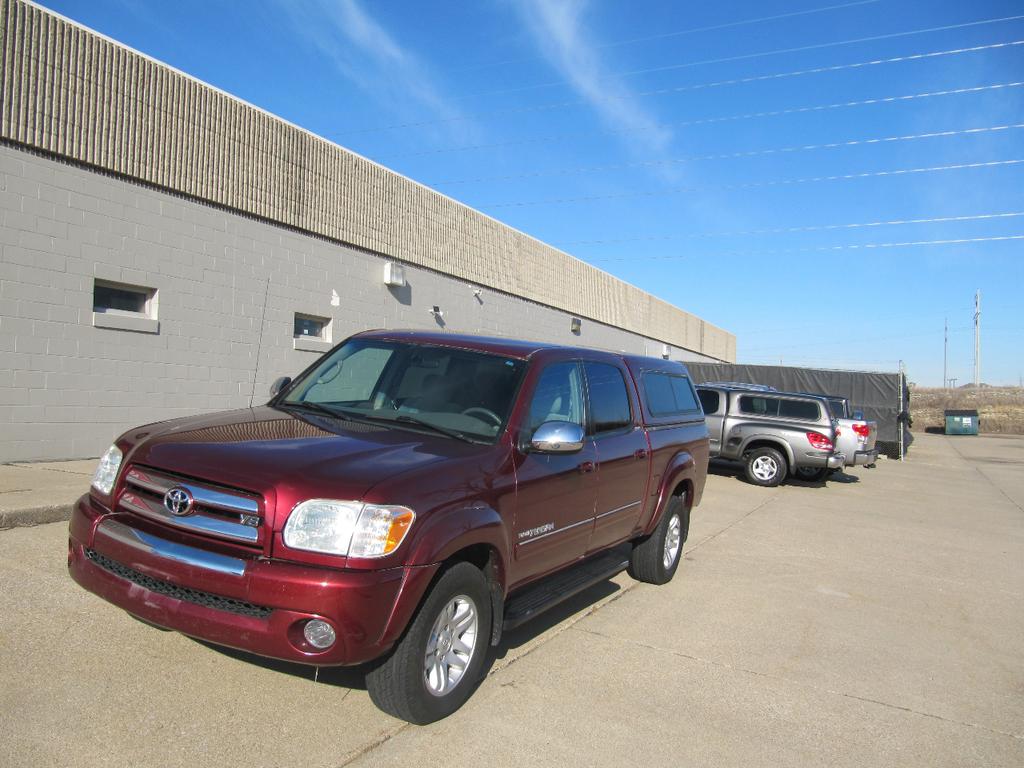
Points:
[665,351]
[394,275]
[575,326]
[436,311]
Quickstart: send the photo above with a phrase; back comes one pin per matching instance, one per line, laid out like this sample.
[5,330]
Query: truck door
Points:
[623,453]
[556,493]
[714,404]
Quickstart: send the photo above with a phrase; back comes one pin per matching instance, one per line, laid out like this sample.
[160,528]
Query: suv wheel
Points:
[656,558]
[812,474]
[436,665]
[766,467]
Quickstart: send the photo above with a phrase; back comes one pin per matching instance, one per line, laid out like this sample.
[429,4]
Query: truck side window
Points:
[609,400]
[558,395]
[759,406]
[799,409]
[709,400]
[668,394]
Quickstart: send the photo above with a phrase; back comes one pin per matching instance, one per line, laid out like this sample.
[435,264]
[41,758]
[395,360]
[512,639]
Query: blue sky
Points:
[785,170]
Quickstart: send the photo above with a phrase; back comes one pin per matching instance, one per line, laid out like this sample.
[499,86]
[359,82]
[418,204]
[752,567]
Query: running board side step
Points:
[554,589]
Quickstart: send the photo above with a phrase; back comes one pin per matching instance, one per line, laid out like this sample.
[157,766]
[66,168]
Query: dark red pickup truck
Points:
[403,501]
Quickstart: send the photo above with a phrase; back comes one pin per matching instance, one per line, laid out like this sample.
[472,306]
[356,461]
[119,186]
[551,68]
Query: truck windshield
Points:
[413,386]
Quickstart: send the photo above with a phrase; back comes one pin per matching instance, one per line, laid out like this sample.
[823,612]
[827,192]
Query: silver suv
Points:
[772,433]
[857,435]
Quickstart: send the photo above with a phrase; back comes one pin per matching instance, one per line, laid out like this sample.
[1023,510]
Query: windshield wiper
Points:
[306,405]
[406,419]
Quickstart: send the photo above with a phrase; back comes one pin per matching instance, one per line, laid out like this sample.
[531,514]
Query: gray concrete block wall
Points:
[68,388]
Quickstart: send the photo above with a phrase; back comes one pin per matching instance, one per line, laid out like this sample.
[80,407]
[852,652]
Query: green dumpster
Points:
[961,422]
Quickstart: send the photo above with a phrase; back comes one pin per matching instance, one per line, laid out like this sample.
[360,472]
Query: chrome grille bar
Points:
[143,496]
[207,497]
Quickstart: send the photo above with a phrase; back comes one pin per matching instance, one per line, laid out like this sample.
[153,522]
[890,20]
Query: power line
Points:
[825,248]
[753,184]
[569,136]
[576,102]
[787,230]
[759,55]
[679,33]
[825,343]
[727,155]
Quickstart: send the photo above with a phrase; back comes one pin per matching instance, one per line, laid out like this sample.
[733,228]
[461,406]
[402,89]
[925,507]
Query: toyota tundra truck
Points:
[400,504]
[774,434]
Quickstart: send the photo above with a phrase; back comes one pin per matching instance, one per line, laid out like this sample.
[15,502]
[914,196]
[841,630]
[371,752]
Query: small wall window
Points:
[124,307]
[309,327]
[311,333]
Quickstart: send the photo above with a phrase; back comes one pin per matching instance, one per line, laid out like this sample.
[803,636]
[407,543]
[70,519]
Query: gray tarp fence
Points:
[876,394]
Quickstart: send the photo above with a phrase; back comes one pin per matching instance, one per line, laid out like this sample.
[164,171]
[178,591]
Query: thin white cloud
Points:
[369,56]
[560,35]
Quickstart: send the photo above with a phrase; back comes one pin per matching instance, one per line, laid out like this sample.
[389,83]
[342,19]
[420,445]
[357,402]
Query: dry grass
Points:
[1000,409]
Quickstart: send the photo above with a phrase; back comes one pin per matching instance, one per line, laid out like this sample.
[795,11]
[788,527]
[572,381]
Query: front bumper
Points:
[246,602]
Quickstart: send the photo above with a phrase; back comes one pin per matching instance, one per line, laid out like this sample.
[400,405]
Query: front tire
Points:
[765,467]
[655,559]
[436,665]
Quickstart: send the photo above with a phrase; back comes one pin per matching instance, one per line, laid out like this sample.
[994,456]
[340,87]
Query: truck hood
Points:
[287,456]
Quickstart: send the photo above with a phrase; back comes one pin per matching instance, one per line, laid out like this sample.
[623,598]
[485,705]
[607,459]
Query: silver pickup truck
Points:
[773,433]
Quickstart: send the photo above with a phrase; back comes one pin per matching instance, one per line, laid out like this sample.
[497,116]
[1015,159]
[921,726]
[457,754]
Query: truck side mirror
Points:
[557,437]
[279,384]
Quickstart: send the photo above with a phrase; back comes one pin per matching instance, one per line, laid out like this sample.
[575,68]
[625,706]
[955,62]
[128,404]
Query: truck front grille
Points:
[215,511]
[194,596]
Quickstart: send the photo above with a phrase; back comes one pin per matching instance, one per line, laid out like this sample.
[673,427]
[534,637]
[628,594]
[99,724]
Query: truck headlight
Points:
[347,527]
[106,473]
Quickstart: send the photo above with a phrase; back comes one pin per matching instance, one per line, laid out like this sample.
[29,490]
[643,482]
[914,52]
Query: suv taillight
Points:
[819,441]
[862,429]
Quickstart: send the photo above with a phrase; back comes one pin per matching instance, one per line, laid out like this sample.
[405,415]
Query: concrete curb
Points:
[23,518]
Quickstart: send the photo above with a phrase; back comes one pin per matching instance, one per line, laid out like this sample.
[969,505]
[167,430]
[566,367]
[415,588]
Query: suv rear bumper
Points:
[860,458]
[821,459]
[249,603]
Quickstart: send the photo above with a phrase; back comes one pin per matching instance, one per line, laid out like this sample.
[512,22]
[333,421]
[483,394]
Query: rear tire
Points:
[812,474]
[655,559]
[765,467]
[436,665]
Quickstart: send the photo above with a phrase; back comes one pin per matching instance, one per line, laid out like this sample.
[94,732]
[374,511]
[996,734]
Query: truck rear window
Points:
[668,394]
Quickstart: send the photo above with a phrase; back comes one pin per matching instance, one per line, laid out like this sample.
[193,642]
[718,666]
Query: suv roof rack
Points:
[738,385]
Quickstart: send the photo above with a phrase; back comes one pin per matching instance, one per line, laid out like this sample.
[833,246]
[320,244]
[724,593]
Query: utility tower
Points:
[977,337]
[945,355]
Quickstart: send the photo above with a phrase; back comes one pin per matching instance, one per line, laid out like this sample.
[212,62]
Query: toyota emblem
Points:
[178,501]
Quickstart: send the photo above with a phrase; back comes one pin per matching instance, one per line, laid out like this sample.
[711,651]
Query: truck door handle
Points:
[585,467]
[640,453]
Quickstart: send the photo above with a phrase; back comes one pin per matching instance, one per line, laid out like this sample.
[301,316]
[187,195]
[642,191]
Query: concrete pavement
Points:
[41,492]
[873,621]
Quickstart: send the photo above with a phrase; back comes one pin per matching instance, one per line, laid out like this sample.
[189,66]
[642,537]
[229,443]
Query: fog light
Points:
[319,634]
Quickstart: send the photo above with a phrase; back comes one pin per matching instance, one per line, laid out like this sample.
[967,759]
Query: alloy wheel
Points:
[450,646]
